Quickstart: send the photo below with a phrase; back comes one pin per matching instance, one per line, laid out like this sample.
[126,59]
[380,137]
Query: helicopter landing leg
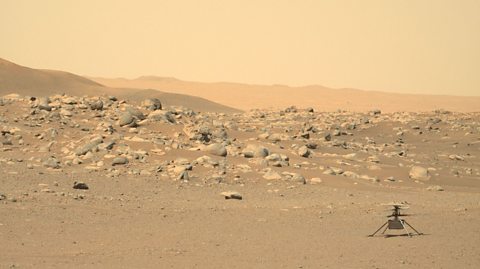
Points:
[412,227]
[405,228]
[379,229]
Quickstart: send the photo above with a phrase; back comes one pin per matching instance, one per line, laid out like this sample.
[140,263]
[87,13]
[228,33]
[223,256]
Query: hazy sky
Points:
[418,46]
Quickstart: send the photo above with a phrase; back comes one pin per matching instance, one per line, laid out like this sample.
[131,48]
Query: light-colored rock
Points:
[419,173]
[435,188]
[272,175]
[255,151]
[304,152]
[216,149]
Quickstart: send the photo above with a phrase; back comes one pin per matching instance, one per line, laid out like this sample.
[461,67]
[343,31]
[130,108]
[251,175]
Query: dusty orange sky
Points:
[414,46]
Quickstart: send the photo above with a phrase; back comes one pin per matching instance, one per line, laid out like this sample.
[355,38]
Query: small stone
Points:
[304,152]
[80,185]
[184,176]
[435,188]
[272,175]
[119,161]
[52,163]
[232,195]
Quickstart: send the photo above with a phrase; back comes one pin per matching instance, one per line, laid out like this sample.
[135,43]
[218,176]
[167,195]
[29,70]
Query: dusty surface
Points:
[312,186]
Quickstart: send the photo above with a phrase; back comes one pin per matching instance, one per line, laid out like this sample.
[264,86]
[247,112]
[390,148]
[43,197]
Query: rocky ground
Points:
[98,182]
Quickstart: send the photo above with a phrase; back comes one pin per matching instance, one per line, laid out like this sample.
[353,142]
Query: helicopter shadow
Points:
[403,235]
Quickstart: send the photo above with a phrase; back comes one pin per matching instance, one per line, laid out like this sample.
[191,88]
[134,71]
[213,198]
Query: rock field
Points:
[79,173]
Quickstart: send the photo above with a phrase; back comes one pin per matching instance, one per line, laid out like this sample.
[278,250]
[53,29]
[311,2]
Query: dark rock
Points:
[80,186]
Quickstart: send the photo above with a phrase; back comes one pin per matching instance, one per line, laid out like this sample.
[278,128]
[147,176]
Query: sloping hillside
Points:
[36,82]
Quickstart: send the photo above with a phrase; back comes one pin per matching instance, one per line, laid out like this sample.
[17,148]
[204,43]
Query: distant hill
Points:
[27,81]
[37,82]
[247,96]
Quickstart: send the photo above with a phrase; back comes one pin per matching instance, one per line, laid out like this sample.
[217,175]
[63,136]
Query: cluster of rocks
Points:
[117,137]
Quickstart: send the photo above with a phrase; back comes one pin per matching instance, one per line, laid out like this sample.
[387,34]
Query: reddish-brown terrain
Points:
[103,177]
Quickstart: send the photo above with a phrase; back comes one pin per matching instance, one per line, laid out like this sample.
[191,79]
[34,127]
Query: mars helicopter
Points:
[397,223]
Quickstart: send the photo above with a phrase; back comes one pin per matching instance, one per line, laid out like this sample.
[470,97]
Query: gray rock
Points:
[160,115]
[96,105]
[126,119]
[43,104]
[80,185]
[52,162]
[89,146]
[119,161]
[295,177]
[183,176]
[135,112]
[311,145]
[419,173]
[152,104]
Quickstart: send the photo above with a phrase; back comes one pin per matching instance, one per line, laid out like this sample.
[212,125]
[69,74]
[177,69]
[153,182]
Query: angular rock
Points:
[89,146]
[183,176]
[52,162]
[272,175]
[152,104]
[304,152]
[96,105]
[161,115]
[135,112]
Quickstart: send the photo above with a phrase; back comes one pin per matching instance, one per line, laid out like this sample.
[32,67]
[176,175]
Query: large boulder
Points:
[152,104]
[419,173]
[43,103]
[216,149]
[96,105]
[135,112]
[126,119]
